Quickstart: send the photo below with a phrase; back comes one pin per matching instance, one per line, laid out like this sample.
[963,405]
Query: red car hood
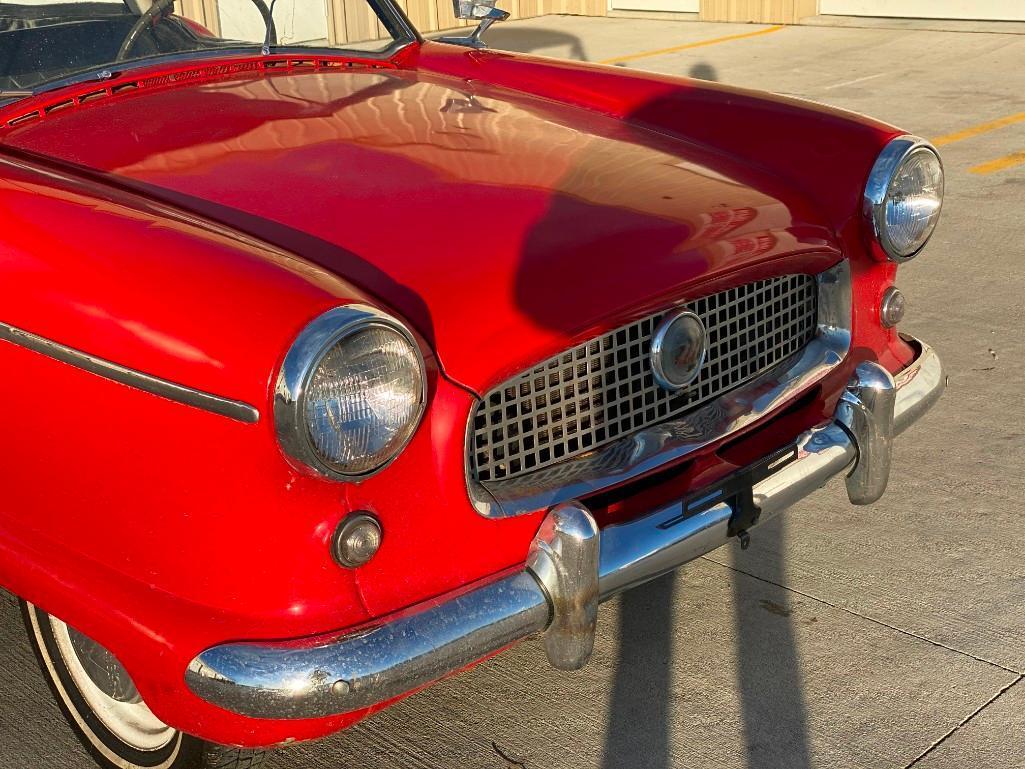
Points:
[503,227]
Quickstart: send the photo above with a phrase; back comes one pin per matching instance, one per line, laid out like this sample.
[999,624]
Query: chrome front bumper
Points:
[571,568]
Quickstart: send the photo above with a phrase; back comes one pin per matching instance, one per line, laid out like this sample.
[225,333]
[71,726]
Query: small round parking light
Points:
[891,311]
[356,540]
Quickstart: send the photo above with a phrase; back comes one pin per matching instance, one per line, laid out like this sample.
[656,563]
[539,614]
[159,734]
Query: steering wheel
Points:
[156,12]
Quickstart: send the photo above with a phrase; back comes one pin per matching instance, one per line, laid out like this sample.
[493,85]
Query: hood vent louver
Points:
[192,75]
[58,105]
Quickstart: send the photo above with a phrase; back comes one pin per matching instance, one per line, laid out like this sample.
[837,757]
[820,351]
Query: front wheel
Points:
[106,711]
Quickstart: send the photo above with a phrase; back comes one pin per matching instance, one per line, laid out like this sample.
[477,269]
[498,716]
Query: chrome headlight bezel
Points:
[314,342]
[889,162]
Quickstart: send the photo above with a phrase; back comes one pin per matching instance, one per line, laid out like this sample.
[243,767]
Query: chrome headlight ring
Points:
[318,341]
[918,158]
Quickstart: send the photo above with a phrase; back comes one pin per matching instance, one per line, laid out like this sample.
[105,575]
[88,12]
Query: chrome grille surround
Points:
[604,389]
[787,349]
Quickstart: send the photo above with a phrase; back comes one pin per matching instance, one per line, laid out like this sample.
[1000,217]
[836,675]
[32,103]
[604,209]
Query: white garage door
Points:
[989,10]
[673,6]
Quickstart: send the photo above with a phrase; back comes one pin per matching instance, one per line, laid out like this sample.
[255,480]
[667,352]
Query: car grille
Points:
[603,389]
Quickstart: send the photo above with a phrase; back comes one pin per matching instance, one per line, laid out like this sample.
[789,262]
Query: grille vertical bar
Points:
[603,389]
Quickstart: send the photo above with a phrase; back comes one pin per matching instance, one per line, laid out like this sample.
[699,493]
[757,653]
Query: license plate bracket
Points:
[737,491]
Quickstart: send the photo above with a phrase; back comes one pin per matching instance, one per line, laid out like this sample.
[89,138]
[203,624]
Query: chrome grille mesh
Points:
[603,389]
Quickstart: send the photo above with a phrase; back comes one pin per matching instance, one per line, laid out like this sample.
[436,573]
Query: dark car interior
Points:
[42,43]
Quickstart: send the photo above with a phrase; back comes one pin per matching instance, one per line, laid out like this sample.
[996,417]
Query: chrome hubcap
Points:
[109,690]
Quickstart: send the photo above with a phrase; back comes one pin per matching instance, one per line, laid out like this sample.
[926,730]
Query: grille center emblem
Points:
[678,349]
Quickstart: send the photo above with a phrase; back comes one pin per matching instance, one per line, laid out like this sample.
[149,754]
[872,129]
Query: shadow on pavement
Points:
[775,721]
[531,40]
[703,71]
[638,734]
[640,721]
[772,708]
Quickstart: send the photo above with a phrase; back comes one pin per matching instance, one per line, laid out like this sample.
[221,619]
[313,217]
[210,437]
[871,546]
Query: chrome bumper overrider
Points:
[572,566]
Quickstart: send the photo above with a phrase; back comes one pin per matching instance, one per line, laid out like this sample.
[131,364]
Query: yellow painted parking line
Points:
[982,128]
[1000,164]
[688,46]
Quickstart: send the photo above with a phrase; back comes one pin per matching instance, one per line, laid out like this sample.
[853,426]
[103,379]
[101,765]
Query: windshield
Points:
[42,41]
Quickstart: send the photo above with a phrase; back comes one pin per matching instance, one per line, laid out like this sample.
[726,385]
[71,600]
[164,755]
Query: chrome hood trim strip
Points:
[225,407]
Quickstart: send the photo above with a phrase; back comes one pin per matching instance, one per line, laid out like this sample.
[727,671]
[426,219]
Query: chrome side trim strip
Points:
[660,444]
[556,593]
[237,410]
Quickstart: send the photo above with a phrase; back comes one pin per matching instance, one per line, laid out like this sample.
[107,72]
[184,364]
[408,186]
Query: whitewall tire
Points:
[105,710]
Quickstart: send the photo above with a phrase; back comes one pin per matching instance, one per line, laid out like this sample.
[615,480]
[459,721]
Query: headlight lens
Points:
[363,399]
[913,202]
[904,197]
[351,393]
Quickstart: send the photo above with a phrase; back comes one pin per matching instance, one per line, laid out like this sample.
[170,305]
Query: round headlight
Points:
[904,196]
[350,393]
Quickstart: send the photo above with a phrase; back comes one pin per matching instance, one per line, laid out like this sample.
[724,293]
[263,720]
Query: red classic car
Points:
[336,360]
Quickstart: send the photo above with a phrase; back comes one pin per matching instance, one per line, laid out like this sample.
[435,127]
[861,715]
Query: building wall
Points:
[759,11]
[203,12]
[433,15]
[353,21]
[979,10]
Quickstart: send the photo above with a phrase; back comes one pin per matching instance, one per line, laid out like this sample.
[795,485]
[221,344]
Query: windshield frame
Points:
[388,11]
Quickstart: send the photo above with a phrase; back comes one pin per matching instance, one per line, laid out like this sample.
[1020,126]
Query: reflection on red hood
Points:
[503,227]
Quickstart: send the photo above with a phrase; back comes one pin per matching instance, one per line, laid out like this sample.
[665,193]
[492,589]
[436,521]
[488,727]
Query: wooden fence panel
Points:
[758,11]
[353,21]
